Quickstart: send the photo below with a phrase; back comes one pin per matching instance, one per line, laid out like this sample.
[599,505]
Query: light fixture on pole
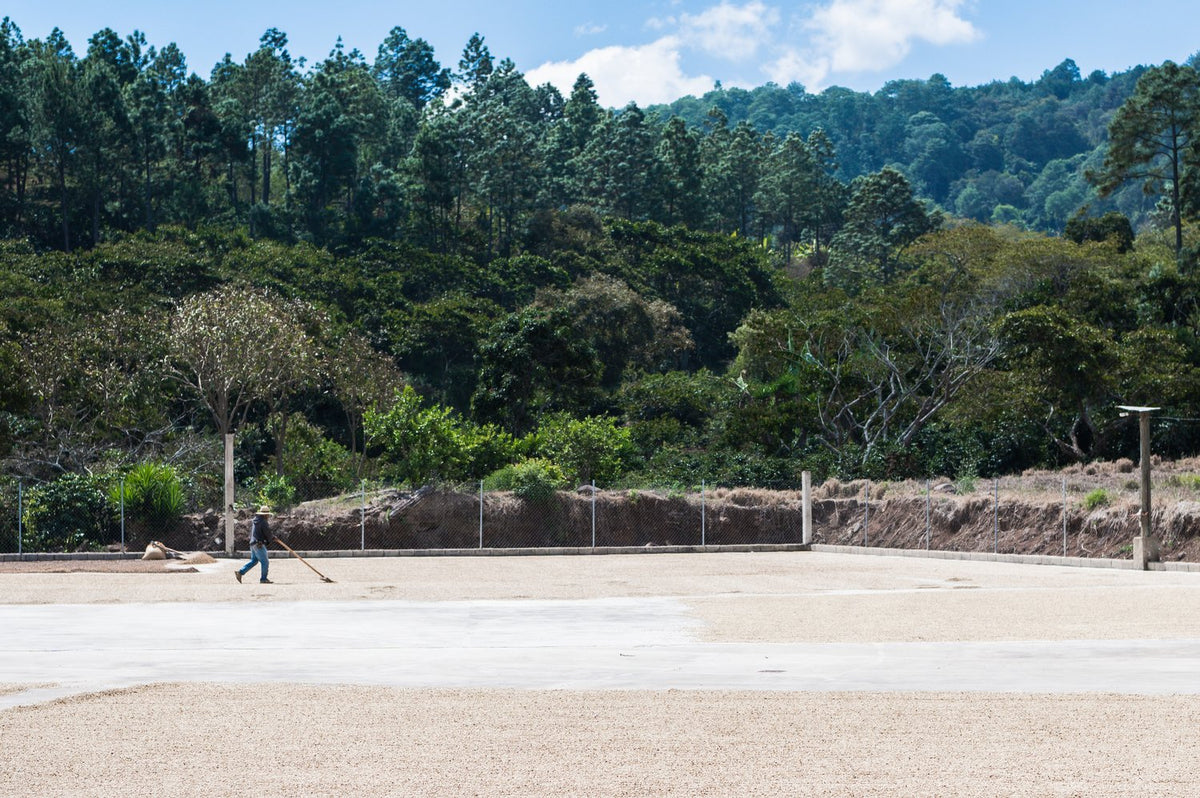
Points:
[1145,547]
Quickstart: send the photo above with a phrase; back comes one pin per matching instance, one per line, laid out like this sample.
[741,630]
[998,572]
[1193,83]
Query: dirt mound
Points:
[1094,507]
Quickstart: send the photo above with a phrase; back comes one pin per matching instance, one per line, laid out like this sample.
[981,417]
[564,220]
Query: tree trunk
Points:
[266,177]
[253,164]
[149,210]
[1176,213]
[95,217]
[62,186]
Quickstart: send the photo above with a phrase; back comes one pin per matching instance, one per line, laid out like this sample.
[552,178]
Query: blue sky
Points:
[658,50]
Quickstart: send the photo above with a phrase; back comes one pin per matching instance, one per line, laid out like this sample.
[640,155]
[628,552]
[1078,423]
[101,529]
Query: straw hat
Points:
[264,510]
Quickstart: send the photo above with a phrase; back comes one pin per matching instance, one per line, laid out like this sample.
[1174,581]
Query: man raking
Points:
[260,536]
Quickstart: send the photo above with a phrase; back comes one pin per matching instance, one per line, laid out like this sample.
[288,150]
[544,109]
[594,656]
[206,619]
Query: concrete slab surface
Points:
[907,625]
[800,674]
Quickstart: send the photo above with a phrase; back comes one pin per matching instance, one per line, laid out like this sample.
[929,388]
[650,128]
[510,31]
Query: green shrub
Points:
[277,492]
[593,448]
[69,514]
[420,444]
[534,480]
[1190,481]
[152,492]
[9,500]
[1097,498]
[310,457]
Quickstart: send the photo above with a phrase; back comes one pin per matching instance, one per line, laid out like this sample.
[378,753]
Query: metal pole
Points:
[481,514]
[362,516]
[1144,429]
[703,531]
[1064,516]
[20,515]
[996,516]
[866,509]
[928,517]
[593,513]
[806,483]
[122,514]
[1146,547]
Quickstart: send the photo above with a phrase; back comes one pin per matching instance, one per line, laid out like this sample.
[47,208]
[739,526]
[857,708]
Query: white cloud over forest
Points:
[854,36]
[784,43]
[730,31]
[647,74]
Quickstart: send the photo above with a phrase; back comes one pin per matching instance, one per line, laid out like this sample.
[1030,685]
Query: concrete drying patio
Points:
[698,674]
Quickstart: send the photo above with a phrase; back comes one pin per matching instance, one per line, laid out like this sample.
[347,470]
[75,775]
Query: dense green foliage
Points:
[68,514]
[365,275]
[534,480]
[128,136]
[150,492]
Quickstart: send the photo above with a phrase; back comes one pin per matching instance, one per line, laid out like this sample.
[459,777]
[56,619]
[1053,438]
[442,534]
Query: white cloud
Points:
[837,36]
[869,36]
[647,74]
[809,70]
[730,31]
[590,29]
[652,73]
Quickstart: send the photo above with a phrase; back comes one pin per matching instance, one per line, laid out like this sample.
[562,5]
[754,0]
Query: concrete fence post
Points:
[230,530]
[20,515]
[122,514]
[806,516]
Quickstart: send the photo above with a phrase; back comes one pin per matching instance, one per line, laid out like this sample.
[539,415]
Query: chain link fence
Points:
[1085,511]
[432,517]
[470,517]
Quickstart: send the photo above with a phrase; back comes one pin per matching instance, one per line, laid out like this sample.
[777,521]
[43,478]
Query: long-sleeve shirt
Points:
[260,531]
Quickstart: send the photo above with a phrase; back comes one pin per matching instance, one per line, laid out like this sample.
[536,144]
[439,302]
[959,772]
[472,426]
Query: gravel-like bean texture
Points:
[213,740]
[303,740]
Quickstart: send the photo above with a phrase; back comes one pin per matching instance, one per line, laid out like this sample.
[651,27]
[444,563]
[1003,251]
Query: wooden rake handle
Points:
[301,559]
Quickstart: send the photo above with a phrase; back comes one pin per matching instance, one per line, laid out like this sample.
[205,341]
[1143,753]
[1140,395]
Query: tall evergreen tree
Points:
[476,62]
[55,117]
[15,132]
[1155,137]
[679,175]
[787,188]
[620,159]
[881,219]
[407,68]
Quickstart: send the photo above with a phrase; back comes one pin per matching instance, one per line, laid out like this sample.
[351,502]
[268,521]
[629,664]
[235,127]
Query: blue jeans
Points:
[258,553]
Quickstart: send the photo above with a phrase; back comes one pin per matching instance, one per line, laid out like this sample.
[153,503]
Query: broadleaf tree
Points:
[233,346]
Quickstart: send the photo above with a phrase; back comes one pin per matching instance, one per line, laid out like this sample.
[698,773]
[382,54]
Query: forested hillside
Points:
[129,136]
[392,269]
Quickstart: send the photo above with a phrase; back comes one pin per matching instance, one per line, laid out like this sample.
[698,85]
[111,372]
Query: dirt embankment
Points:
[1088,511]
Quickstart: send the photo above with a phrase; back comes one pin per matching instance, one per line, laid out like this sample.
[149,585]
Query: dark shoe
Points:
[265,582]
[238,574]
